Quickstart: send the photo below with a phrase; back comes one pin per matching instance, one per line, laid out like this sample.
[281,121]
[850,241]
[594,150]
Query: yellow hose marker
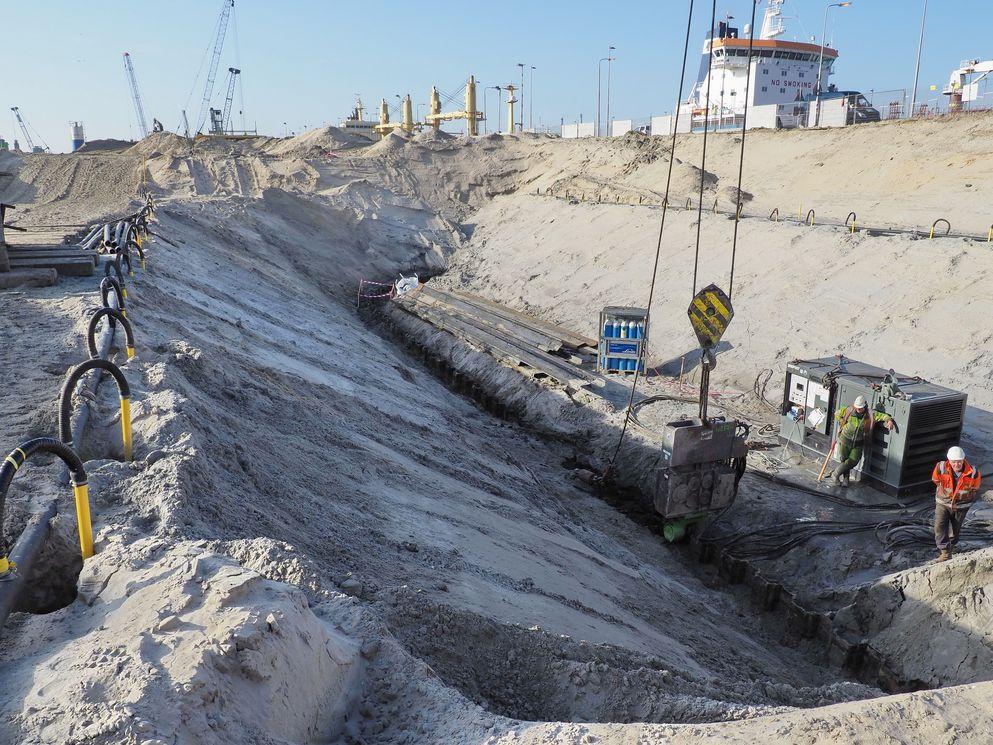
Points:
[12,462]
[932,233]
[82,494]
[853,227]
[126,427]
[124,293]
[6,565]
[130,352]
[989,236]
[143,265]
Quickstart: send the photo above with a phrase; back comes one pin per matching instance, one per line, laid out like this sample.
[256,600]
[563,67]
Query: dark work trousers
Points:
[947,525]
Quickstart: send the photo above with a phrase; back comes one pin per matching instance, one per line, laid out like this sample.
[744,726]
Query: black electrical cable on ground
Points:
[741,157]
[703,159]
[658,247]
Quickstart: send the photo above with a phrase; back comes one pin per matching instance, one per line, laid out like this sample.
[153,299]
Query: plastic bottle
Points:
[608,329]
[624,329]
[641,329]
[617,328]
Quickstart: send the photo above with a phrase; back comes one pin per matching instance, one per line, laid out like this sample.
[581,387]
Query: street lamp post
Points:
[522,66]
[610,59]
[531,103]
[917,70]
[599,79]
[820,62]
[496,88]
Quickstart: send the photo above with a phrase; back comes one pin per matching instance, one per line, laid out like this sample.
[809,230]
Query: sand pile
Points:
[161,143]
[394,141]
[316,143]
[106,146]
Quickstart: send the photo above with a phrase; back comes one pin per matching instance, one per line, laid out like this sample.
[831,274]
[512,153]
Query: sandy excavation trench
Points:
[463,582]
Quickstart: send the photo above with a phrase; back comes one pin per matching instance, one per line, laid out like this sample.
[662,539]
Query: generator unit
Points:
[701,467]
[928,419]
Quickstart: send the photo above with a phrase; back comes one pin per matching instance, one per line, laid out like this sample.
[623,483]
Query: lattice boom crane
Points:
[139,110]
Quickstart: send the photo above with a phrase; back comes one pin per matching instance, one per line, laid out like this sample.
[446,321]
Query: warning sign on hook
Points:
[710,314]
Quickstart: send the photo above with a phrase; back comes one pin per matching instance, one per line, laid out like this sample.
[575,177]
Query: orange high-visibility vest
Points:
[963,492]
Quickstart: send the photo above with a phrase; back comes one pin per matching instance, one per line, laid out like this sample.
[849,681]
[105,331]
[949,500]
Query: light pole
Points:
[599,78]
[522,66]
[496,88]
[531,103]
[610,59]
[820,63]
[917,70]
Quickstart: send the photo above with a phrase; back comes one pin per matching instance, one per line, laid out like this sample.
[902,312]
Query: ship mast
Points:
[772,23]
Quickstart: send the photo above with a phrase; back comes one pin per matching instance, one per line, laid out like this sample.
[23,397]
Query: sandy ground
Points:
[300,482]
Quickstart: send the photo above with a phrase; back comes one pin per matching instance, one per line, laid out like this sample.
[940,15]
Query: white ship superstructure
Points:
[783,73]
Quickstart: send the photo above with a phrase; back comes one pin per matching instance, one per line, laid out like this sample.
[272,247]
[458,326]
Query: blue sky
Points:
[302,61]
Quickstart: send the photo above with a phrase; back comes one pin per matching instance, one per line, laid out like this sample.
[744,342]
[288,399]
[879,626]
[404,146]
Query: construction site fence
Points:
[940,228]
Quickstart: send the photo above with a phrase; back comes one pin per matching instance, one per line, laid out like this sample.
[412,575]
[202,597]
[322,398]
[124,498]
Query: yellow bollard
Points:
[81,492]
[989,237]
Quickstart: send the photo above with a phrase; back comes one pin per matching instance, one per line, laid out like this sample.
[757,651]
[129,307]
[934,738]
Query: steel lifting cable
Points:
[703,159]
[658,247]
[741,157]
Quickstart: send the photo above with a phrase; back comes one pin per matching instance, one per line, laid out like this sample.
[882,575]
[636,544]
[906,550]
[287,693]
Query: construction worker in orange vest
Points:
[957,483]
[854,423]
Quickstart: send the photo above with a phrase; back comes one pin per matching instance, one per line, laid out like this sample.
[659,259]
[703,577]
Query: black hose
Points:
[112,317]
[137,246]
[20,455]
[106,284]
[114,264]
[65,397]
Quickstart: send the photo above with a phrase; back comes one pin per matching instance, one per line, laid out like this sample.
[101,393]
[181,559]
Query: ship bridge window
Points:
[765,53]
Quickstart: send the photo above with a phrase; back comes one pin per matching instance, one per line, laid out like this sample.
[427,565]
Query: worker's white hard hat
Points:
[860,402]
[956,453]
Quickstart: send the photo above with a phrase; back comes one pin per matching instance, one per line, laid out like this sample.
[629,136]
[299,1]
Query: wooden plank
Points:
[498,342]
[28,278]
[534,338]
[81,266]
[566,335]
[15,252]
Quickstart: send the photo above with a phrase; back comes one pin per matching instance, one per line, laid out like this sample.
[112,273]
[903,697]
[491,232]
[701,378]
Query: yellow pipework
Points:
[510,107]
[408,115]
[434,109]
[470,105]
[384,127]
[126,423]
[435,116]
[81,493]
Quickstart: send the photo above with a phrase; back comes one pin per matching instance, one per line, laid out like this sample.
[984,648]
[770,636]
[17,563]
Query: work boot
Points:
[945,555]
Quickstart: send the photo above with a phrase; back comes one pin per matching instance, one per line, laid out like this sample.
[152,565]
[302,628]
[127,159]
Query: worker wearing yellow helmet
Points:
[855,422]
